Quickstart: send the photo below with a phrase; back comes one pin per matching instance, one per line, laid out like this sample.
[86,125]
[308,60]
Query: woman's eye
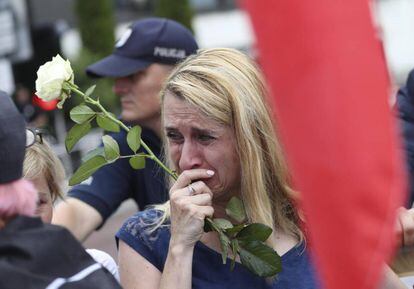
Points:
[205,137]
[41,202]
[173,136]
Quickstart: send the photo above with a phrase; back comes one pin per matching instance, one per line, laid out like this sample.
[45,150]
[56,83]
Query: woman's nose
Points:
[191,156]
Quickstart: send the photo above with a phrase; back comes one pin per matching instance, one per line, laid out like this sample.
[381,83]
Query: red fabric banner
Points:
[329,82]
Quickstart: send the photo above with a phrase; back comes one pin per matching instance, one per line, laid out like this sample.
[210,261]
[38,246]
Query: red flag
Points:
[330,86]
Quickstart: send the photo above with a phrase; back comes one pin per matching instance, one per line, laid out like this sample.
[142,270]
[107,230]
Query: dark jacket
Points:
[34,255]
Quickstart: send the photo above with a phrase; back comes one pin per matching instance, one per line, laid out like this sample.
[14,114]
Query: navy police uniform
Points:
[116,182]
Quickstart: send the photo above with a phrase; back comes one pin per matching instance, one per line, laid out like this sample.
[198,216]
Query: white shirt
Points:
[105,260]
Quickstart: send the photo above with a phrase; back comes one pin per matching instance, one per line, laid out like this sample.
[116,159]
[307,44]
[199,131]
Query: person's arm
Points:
[90,203]
[189,207]
[135,271]
[178,257]
[78,217]
[149,277]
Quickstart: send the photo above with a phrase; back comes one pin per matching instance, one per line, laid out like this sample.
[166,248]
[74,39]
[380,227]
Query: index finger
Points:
[188,176]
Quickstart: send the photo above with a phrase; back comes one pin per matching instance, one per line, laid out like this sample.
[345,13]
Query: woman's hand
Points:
[190,203]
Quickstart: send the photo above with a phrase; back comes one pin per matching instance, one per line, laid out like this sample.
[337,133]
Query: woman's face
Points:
[195,141]
[44,208]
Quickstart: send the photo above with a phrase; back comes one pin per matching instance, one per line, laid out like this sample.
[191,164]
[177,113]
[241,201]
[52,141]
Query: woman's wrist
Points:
[178,266]
[178,247]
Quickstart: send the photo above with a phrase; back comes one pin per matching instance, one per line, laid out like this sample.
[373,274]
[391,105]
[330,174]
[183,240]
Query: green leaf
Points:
[260,258]
[234,249]
[75,134]
[254,232]
[106,123]
[111,148]
[87,169]
[235,209]
[81,113]
[233,231]
[134,138]
[224,243]
[137,162]
[207,225]
[90,90]
[223,224]
[99,151]
[213,226]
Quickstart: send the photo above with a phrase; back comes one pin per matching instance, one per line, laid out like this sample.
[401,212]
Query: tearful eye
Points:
[173,136]
[206,138]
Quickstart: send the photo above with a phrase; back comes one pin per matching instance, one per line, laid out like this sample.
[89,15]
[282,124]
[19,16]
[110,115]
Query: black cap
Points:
[12,140]
[152,40]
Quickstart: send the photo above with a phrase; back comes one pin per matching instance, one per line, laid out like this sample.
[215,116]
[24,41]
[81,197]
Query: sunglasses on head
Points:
[34,135]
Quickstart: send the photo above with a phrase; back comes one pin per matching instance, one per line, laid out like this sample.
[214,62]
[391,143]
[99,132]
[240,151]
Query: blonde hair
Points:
[226,86]
[41,161]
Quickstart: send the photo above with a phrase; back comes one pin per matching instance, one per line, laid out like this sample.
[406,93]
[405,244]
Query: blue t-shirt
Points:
[208,270]
[116,182]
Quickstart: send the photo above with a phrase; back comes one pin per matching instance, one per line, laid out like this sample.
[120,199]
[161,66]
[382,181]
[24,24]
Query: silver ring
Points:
[191,190]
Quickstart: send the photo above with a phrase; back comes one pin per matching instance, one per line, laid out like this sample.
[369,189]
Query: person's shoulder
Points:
[142,221]
[144,226]
[141,233]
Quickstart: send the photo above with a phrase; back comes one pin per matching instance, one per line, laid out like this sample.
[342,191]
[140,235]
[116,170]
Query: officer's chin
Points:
[129,117]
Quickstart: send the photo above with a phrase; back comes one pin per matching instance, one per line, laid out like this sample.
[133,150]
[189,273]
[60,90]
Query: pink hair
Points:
[17,198]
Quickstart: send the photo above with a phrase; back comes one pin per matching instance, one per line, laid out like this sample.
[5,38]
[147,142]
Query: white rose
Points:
[50,79]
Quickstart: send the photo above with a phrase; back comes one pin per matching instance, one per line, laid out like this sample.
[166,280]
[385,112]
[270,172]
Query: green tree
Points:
[96,27]
[178,10]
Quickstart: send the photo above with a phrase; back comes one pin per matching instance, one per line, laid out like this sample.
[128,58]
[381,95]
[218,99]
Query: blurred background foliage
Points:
[178,10]
[96,27]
